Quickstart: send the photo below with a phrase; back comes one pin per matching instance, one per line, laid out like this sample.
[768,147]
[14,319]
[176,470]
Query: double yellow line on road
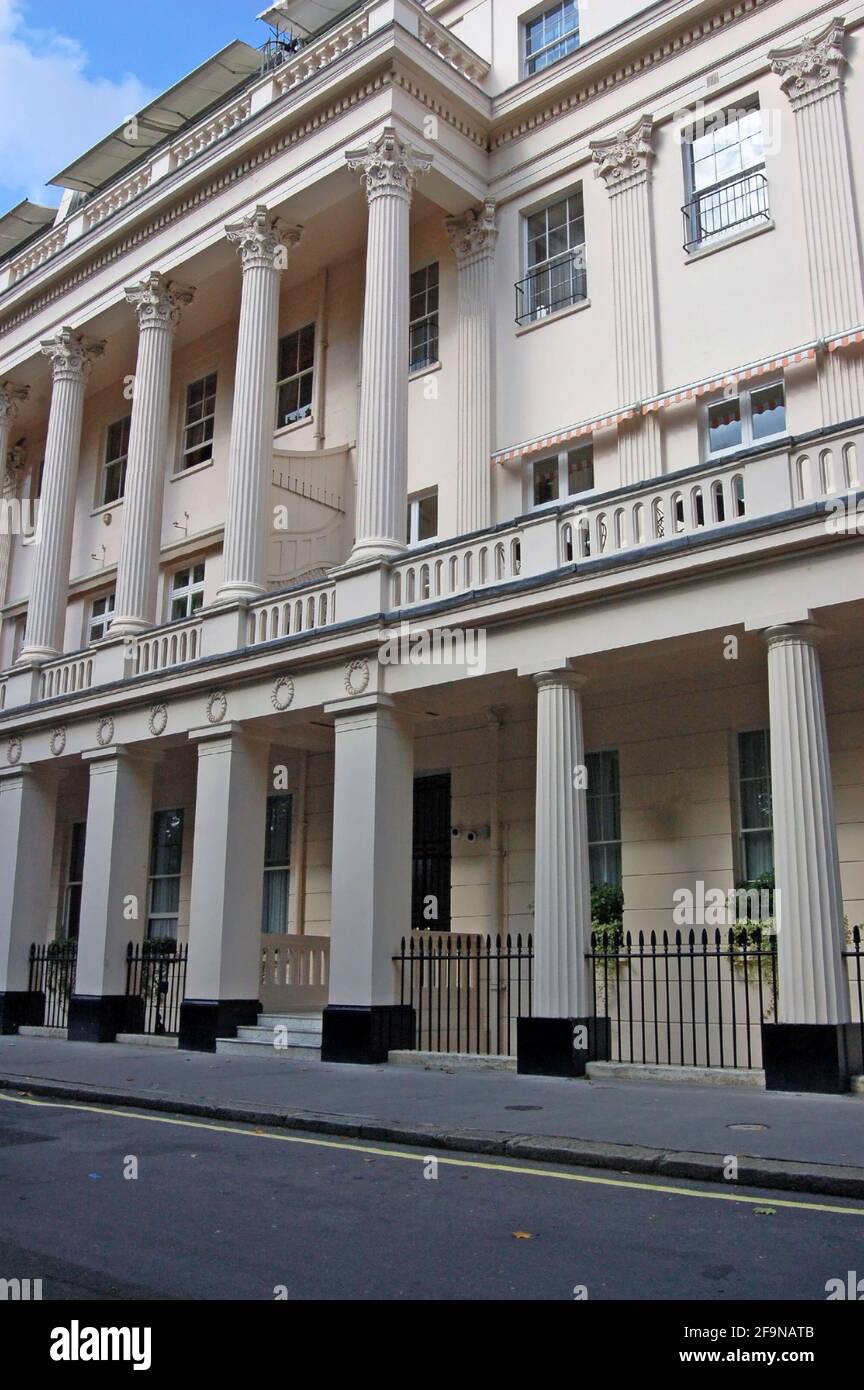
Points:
[350,1146]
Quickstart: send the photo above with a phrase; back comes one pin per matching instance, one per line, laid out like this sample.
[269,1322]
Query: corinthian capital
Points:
[472,236]
[624,159]
[158,302]
[812,68]
[388,165]
[72,354]
[10,394]
[262,240]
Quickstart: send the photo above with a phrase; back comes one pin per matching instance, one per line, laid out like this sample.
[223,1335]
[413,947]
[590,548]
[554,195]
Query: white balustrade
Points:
[296,610]
[170,646]
[474,564]
[66,676]
[295,971]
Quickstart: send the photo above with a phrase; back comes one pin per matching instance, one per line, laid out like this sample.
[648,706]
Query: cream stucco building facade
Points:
[402,329]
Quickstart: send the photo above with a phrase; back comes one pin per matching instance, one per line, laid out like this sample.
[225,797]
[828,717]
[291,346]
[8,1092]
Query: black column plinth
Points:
[21,1008]
[561,1046]
[366,1034]
[202,1021]
[98,1018]
[811,1056]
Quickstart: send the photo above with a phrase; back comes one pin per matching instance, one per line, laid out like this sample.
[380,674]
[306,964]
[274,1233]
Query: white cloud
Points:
[51,109]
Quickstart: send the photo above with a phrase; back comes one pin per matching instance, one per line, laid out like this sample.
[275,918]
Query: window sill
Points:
[107,507]
[553,318]
[734,240]
[419,372]
[295,425]
[187,472]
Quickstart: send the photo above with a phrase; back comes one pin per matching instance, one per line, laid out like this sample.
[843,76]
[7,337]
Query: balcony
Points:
[553,286]
[718,212]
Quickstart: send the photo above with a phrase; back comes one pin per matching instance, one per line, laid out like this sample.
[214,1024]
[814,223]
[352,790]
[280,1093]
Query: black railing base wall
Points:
[202,1021]
[98,1018]
[366,1034]
[561,1046]
[23,1008]
[811,1056]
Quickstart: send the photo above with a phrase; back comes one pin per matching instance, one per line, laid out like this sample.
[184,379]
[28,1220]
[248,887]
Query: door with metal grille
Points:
[430,898]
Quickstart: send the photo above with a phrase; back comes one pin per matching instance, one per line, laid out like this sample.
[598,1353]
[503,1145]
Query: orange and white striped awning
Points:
[550,441]
[763,367]
[842,340]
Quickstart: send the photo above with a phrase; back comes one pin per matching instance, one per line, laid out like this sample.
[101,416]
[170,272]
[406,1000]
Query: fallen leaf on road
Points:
[522,1235]
[765,1211]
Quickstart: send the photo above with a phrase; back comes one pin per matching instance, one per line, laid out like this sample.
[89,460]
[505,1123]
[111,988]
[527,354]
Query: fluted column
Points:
[12,463]
[390,169]
[472,238]
[262,242]
[562,890]
[624,164]
[813,985]
[72,357]
[157,306]
[811,75]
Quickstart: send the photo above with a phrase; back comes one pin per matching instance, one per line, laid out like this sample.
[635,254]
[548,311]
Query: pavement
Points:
[780,1141]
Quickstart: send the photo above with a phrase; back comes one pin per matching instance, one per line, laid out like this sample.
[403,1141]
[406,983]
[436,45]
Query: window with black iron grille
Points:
[423,326]
[554,260]
[724,165]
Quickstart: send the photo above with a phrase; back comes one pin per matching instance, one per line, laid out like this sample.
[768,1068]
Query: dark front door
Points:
[430,899]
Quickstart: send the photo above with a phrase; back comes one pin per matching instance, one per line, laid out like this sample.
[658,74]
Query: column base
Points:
[202,1021]
[365,1034]
[811,1056]
[22,1008]
[98,1018]
[548,1046]
[238,593]
[380,550]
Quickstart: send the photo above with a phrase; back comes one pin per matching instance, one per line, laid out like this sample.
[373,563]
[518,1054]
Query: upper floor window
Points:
[560,475]
[187,592]
[199,422]
[116,455]
[294,382]
[423,327]
[423,516]
[101,613]
[554,260]
[18,632]
[604,817]
[724,163]
[746,419]
[550,36]
[754,801]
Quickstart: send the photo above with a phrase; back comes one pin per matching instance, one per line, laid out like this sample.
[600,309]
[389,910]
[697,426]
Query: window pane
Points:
[277,840]
[274,916]
[580,470]
[545,480]
[724,425]
[76,852]
[427,517]
[768,411]
[167,842]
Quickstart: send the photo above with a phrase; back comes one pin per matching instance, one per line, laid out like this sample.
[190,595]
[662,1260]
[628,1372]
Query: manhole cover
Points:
[754,1127]
[523,1107]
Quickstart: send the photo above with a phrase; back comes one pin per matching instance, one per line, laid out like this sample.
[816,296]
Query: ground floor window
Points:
[166,856]
[754,801]
[604,818]
[74,881]
[430,888]
[277,866]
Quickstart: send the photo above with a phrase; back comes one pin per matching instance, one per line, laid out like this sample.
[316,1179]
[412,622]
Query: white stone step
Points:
[299,1036]
[296,1022]
[286,1034]
[258,1047]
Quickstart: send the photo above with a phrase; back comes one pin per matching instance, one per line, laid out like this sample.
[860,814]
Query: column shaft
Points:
[138,570]
[473,240]
[11,469]
[28,804]
[562,894]
[813,985]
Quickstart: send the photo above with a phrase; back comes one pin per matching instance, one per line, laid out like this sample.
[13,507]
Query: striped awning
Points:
[763,367]
[842,340]
[549,441]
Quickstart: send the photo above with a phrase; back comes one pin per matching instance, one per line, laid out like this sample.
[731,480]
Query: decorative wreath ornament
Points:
[58,740]
[282,695]
[105,731]
[158,721]
[357,676]
[14,750]
[217,707]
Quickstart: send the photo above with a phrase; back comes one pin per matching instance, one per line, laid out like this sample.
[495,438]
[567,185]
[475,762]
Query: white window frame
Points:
[424,318]
[577,250]
[543,12]
[744,398]
[295,376]
[742,833]
[100,620]
[692,192]
[564,493]
[122,460]
[414,501]
[152,877]
[279,867]
[186,591]
[186,424]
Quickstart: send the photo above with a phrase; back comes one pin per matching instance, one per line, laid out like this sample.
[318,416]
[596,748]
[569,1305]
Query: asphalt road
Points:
[227,1212]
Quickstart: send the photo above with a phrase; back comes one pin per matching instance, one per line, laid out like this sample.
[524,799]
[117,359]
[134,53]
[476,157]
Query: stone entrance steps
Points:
[295,1035]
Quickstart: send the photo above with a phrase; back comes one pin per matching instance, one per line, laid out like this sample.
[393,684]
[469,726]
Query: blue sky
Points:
[71,70]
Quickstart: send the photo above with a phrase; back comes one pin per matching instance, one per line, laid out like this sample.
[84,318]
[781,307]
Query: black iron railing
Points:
[467,991]
[695,1001]
[555,285]
[854,959]
[52,973]
[714,212]
[156,974]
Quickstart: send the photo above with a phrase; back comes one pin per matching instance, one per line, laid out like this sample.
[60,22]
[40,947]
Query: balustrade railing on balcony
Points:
[295,972]
[296,610]
[557,284]
[455,569]
[716,212]
[66,676]
[171,646]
